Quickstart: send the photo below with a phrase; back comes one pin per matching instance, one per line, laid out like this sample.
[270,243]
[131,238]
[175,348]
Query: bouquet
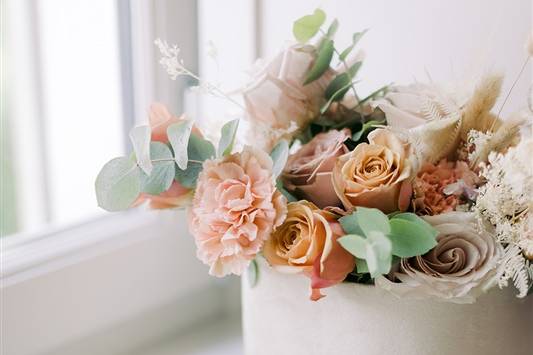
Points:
[416,189]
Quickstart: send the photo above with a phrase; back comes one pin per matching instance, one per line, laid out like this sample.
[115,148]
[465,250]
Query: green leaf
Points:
[279,156]
[408,216]
[163,172]
[187,178]
[354,244]
[355,38]
[321,63]
[350,224]
[199,149]
[367,126]
[118,184]
[140,139]
[372,220]
[178,136]
[410,238]
[253,273]
[338,87]
[361,266]
[307,27]
[378,254]
[381,91]
[227,137]
[284,192]
[332,29]
[337,96]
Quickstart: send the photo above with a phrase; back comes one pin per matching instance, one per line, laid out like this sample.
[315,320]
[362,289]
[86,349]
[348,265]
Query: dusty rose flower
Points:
[374,174]
[177,195]
[277,101]
[440,188]
[459,268]
[307,242]
[235,208]
[307,173]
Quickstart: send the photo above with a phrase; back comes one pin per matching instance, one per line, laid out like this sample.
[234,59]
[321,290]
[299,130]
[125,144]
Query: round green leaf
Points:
[199,149]
[354,244]
[372,219]
[178,136]
[350,224]
[410,238]
[227,137]
[163,172]
[306,27]
[118,184]
[279,156]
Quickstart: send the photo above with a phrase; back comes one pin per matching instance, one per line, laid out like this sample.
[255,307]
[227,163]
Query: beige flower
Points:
[374,174]
[277,101]
[235,208]
[307,173]
[307,242]
[458,269]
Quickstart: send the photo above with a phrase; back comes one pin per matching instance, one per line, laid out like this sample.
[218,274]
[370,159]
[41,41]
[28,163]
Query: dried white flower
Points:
[171,60]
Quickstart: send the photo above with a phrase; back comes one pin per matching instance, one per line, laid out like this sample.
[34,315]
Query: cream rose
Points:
[235,208]
[277,101]
[307,242]
[374,174]
[307,173]
[459,268]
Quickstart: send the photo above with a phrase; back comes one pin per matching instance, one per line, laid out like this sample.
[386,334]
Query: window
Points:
[63,118]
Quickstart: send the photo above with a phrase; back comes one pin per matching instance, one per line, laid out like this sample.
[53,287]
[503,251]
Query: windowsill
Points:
[29,255]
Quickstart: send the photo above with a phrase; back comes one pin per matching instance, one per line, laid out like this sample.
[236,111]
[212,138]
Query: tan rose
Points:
[458,269]
[307,173]
[374,174]
[307,242]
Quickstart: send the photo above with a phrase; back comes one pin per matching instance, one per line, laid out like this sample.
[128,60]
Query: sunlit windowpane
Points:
[82,99]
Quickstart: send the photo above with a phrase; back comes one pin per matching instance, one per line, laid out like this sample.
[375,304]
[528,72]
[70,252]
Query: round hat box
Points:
[279,319]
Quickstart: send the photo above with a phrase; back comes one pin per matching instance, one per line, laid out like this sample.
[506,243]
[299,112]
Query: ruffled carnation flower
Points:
[235,208]
[307,173]
[458,269]
[177,195]
[307,242]
[442,187]
[277,102]
[374,174]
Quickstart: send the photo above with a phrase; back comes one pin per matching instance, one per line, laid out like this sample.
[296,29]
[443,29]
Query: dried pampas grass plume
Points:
[476,113]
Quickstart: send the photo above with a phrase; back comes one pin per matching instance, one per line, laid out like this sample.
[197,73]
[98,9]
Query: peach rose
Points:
[307,242]
[235,208]
[307,173]
[177,195]
[374,174]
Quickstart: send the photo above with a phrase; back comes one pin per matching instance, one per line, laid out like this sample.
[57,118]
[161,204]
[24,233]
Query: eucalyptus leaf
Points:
[163,170]
[187,178]
[410,238]
[354,244]
[279,156]
[338,87]
[322,62]
[253,273]
[338,95]
[199,149]
[118,184]
[332,29]
[178,136]
[367,126]
[284,192]
[140,139]
[227,137]
[307,26]
[372,220]
[361,266]
[350,224]
[378,254]
[355,38]
[411,217]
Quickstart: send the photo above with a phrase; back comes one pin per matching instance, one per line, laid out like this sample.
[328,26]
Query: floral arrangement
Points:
[415,189]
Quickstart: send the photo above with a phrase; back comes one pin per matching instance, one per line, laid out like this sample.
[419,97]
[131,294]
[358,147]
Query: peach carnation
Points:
[235,208]
[440,188]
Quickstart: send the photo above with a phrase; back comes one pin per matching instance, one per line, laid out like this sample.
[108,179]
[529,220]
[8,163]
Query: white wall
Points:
[450,39]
